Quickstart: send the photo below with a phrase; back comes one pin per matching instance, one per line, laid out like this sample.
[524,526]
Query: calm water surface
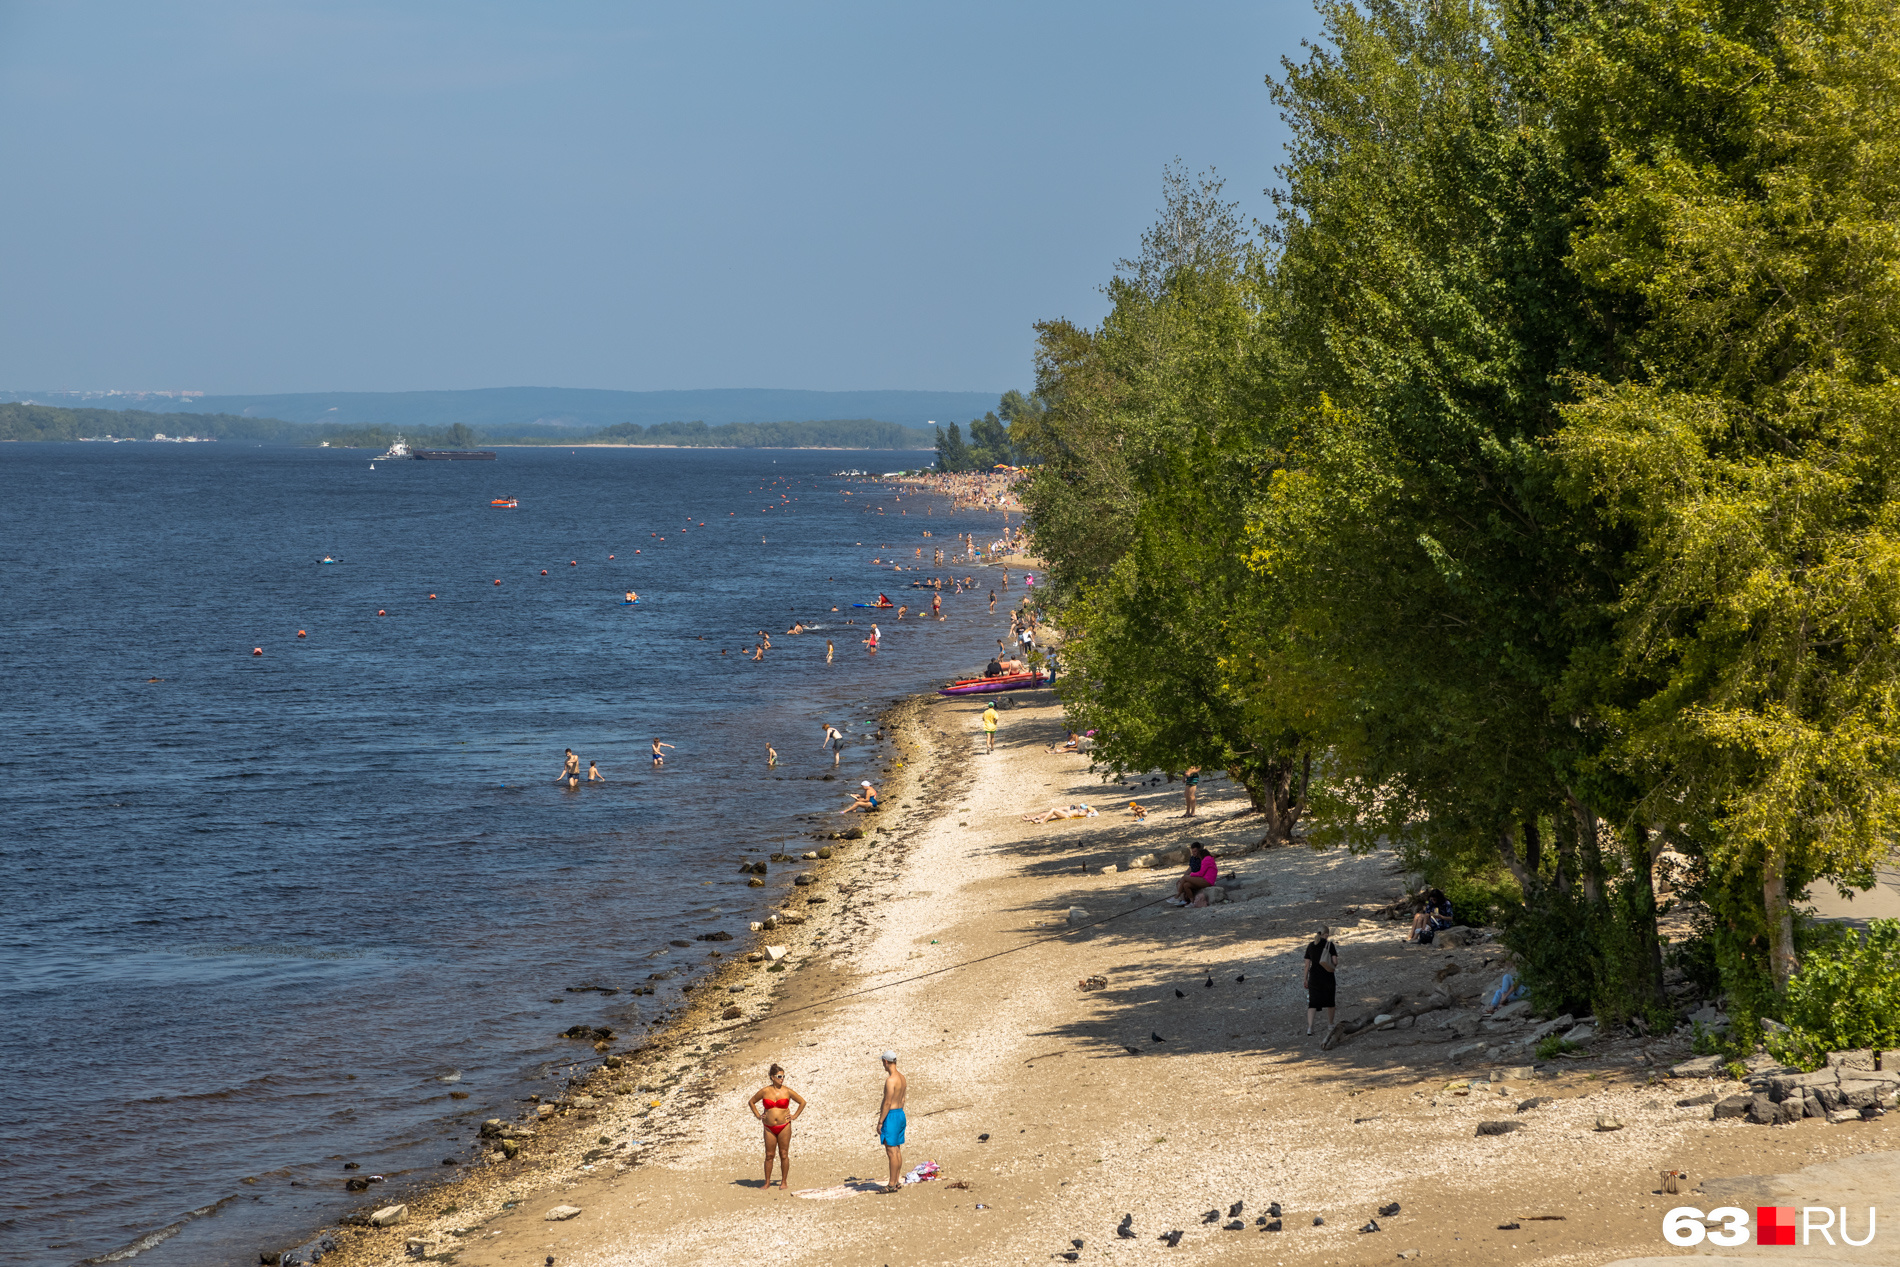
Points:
[268,911]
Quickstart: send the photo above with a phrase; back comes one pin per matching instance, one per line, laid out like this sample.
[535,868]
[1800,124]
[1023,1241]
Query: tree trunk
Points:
[1276,793]
[1507,850]
[1774,894]
[1566,859]
[1590,851]
[1642,861]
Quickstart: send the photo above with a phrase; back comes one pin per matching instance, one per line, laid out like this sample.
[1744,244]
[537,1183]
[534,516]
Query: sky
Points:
[279,197]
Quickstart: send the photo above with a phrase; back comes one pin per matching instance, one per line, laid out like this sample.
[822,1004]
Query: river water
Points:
[268,912]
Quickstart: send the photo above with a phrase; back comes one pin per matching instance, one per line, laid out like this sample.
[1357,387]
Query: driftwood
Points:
[1390,1009]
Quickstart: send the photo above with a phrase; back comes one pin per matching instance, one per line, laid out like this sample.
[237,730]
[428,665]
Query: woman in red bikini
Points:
[772,1105]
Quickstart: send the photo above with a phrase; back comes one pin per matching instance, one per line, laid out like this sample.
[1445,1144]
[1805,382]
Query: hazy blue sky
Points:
[252,197]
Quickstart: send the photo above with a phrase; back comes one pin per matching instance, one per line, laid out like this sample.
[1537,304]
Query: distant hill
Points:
[523,411]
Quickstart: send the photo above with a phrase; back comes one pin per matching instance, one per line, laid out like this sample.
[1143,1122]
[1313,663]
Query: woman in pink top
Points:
[1203,871]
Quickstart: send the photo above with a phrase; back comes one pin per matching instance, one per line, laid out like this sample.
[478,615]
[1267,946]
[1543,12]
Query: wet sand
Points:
[1089,1118]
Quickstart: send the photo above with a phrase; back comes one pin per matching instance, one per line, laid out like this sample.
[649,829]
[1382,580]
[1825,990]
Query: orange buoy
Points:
[381,612]
[573,563]
[636,552]
[498,581]
[544,571]
[300,633]
[257,651]
[610,556]
[432,596]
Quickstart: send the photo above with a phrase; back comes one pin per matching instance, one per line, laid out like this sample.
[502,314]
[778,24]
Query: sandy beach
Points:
[959,934]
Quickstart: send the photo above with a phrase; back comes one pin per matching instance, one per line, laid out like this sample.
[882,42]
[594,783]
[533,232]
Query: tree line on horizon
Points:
[50,422]
[1525,493]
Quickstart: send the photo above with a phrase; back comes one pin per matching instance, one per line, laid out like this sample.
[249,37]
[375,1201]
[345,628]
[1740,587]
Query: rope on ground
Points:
[936,972]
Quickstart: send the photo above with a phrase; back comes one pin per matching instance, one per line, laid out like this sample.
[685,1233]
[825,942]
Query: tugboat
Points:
[400,449]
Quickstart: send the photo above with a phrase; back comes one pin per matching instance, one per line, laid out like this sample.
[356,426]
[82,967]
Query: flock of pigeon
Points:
[1272,1221]
[1181,994]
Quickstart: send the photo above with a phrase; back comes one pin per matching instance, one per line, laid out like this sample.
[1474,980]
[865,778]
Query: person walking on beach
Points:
[890,1118]
[1193,780]
[570,768]
[1322,967]
[658,758]
[772,1105]
[989,728]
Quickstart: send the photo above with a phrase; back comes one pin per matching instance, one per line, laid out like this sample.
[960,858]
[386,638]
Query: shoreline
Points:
[557,1148]
[1055,1110]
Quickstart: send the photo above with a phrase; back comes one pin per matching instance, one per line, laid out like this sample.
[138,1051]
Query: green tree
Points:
[952,453]
[1752,151]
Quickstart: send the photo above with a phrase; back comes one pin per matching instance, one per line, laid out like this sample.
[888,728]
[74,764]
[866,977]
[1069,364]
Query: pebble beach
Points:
[1176,1092]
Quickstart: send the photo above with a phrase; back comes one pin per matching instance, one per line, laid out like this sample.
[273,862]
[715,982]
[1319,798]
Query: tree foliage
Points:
[1533,471]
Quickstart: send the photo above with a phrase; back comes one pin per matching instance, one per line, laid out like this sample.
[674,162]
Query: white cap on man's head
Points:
[890,1056]
[867,783]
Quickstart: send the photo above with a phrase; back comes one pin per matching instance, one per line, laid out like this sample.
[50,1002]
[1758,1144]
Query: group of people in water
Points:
[571,766]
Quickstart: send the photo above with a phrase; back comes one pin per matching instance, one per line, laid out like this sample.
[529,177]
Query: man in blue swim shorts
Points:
[890,1118]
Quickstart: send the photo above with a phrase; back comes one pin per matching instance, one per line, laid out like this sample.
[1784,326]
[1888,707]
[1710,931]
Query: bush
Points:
[1551,1046]
[1578,956]
[1846,996]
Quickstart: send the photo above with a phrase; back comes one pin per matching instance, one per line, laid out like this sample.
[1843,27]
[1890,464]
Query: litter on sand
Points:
[922,1171]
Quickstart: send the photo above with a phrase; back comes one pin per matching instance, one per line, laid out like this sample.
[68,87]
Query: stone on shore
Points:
[776,953]
[562,1212]
[1700,1067]
[389,1216]
[1078,915]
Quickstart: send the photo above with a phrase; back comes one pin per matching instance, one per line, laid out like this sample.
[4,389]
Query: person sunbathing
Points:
[1074,739]
[1060,811]
[865,800]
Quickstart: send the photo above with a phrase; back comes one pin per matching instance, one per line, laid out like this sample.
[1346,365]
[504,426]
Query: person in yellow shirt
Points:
[989,728]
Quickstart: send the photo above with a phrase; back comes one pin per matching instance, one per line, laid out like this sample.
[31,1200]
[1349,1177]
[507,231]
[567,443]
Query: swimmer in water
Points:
[872,641]
[936,606]
[659,759]
[828,651]
[771,756]
[593,772]
[902,610]
[632,597]
[758,653]
[992,602]
[570,767]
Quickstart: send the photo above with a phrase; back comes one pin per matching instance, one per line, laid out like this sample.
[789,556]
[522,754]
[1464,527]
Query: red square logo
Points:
[1774,1224]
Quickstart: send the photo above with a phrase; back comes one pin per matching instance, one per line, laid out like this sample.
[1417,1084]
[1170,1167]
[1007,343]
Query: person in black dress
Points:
[1322,963]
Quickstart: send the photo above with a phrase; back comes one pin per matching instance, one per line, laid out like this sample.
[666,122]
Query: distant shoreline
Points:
[756,448]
